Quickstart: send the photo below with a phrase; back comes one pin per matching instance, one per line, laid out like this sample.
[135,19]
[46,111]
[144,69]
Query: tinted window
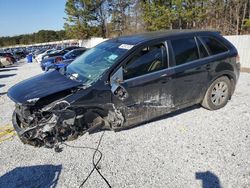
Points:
[202,49]
[214,45]
[147,60]
[79,52]
[185,50]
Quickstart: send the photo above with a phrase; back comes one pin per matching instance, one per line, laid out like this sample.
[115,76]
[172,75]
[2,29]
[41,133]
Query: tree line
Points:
[108,18]
[38,37]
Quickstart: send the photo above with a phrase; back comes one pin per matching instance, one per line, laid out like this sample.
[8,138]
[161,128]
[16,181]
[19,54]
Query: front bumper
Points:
[18,129]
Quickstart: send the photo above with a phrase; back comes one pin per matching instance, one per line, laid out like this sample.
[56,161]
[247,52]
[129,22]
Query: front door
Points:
[147,81]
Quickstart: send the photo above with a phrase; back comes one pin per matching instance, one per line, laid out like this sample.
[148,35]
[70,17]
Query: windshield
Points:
[69,54]
[88,67]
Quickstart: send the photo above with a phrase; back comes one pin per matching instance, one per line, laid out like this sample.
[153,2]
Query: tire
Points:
[218,94]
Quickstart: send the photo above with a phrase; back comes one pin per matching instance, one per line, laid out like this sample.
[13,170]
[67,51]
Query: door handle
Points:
[208,67]
[163,75]
[165,80]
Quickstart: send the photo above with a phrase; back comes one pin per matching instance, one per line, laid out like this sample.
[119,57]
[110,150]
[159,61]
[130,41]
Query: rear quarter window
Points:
[214,46]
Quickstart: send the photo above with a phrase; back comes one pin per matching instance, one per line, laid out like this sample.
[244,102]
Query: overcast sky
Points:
[28,16]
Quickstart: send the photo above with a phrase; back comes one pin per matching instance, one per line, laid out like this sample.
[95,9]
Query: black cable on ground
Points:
[96,150]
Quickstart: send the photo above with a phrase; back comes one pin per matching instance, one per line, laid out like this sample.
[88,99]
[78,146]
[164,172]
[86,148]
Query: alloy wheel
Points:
[219,93]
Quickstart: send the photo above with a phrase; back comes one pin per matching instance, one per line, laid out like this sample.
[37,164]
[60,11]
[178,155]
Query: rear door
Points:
[191,71]
[147,81]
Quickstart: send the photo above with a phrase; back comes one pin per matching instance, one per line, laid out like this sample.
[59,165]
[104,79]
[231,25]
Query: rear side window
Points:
[146,60]
[214,46]
[185,50]
[78,52]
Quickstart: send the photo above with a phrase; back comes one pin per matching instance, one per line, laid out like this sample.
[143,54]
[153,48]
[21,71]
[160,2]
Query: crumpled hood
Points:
[40,86]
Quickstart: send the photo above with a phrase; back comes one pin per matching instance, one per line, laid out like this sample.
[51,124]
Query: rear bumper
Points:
[238,68]
[238,65]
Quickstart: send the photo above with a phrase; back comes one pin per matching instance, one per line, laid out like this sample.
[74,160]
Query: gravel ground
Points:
[192,148]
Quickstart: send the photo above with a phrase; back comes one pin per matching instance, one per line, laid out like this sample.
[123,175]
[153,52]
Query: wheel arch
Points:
[227,74]
[112,117]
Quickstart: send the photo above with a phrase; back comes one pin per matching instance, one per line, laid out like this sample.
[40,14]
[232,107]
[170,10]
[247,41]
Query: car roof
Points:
[144,37]
[79,49]
[71,47]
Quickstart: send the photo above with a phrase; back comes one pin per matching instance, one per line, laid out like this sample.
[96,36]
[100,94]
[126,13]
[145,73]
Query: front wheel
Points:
[217,94]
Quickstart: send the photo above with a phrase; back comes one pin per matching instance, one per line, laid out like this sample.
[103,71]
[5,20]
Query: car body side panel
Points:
[132,107]
[189,79]
[90,97]
[225,67]
[150,96]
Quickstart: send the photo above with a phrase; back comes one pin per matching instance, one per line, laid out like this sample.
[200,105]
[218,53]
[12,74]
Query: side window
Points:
[78,52]
[185,50]
[146,60]
[214,45]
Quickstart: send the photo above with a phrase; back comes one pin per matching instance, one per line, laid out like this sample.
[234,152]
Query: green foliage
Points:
[156,16]
[118,17]
[39,37]
[246,23]
[172,14]
[84,17]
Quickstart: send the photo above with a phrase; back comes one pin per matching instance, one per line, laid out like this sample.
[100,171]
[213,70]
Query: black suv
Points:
[126,81]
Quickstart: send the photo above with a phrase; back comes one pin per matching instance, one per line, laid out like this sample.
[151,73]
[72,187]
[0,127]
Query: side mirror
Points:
[119,91]
[117,78]
[116,88]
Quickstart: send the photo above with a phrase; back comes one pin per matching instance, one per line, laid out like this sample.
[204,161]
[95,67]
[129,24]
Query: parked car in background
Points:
[19,55]
[59,65]
[38,51]
[40,56]
[4,61]
[60,52]
[47,64]
[124,82]
[74,53]
[9,57]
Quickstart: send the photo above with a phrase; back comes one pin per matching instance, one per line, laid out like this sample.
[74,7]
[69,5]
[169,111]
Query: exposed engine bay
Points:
[59,121]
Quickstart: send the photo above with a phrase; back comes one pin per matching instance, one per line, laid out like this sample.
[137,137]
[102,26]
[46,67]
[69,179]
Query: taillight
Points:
[238,59]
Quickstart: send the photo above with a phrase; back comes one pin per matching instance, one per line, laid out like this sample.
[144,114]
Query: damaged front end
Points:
[49,125]
[43,116]
[59,121]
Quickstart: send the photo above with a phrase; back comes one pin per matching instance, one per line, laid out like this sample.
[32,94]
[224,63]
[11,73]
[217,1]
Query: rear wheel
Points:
[217,94]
